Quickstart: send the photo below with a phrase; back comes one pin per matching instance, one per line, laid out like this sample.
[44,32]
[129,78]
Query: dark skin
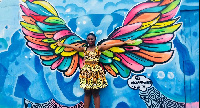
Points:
[91,41]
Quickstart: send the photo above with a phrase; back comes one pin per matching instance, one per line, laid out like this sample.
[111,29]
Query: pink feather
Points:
[27,11]
[169,15]
[57,63]
[137,9]
[81,62]
[62,33]
[159,39]
[132,48]
[32,34]
[126,29]
[38,47]
[31,0]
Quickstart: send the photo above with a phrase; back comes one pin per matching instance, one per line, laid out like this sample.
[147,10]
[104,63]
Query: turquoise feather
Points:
[49,62]
[38,9]
[65,64]
[72,39]
[43,53]
[132,35]
[139,59]
[51,28]
[123,70]
[153,9]
[105,59]
[157,47]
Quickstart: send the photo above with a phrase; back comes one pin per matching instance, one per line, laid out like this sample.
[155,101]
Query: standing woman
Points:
[92,77]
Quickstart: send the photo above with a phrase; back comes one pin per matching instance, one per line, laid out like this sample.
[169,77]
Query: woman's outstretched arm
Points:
[77,48]
[106,47]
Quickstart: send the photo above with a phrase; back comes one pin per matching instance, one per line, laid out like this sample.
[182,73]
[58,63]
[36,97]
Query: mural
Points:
[160,70]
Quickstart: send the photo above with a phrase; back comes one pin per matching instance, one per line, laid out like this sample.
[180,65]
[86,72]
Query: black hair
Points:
[92,34]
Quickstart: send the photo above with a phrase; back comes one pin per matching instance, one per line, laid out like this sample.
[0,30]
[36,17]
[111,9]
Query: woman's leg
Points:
[96,97]
[87,98]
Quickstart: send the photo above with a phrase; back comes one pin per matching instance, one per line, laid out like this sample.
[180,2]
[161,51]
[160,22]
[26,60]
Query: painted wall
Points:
[24,81]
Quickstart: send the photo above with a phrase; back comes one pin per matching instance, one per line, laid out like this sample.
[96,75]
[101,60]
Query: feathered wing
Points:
[42,28]
[152,25]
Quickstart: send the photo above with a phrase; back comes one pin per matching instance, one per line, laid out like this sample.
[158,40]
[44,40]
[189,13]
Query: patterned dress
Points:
[92,75]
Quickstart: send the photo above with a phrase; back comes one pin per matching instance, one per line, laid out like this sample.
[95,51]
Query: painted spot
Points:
[122,105]
[6,27]
[119,82]
[170,75]
[161,75]
[3,44]
[195,34]
[16,63]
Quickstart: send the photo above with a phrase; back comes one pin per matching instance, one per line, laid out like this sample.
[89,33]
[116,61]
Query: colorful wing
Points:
[43,28]
[152,25]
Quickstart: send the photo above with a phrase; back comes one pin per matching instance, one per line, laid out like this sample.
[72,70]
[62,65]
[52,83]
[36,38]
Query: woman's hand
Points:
[59,43]
[129,41]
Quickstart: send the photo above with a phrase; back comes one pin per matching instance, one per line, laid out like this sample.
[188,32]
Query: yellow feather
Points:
[148,24]
[67,54]
[117,49]
[155,0]
[47,6]
[53,46]
[163,24]
[116,58]
[114,68]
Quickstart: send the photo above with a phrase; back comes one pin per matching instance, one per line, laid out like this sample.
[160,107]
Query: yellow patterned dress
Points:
[92,75]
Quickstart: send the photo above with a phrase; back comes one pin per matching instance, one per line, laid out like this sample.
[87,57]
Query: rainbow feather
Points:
[153,28]
[42,28]
[151,24]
